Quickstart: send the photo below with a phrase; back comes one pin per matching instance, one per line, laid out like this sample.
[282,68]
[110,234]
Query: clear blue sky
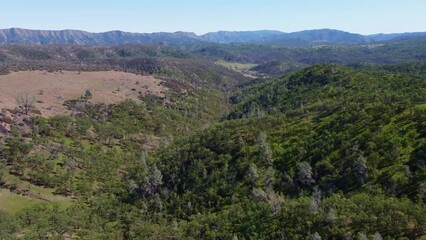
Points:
[200,16]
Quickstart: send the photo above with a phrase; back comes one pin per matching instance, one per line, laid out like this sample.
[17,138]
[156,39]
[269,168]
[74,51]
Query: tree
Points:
[153,181]
[265,150]
[142,160]
[2,181]
[315,200]
[423,192]
[361,236]
[377,236]
[316,236]
[304,173]
[156,177]
[88,95]
[15,151]
[26,102]
[360,169]
[252,173]
[331,216]
[269,179]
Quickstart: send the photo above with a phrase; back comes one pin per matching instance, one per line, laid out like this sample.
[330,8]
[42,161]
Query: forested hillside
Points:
[199,60]
[276,59]
[324,152]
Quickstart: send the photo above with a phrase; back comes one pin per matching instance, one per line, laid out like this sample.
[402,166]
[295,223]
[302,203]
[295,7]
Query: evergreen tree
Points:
[315,201]
[377,236]
[361,236]
[316,236]
[252,173]
[265,151]
[304,174]
[360,169]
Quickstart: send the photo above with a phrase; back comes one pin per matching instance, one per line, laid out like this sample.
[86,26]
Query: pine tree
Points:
[377,236]
[252,173]
[331,216]
[315,200]
[265,150]
[269,179]
[316,236]
[361,236]
[360,169]
[304,174]
[153,181]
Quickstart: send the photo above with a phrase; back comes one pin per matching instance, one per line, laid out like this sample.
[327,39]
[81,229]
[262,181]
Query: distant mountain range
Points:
[302,38]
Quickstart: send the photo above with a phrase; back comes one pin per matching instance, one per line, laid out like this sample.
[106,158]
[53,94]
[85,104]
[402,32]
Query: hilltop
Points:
[241,135]
[302,38]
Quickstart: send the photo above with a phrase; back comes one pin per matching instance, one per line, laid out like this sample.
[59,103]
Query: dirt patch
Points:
[51,89]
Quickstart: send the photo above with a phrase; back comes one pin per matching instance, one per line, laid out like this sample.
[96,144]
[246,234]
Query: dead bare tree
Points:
[26,102]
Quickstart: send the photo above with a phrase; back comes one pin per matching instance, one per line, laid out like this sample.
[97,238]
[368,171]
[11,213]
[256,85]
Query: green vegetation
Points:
[316,151]
[324,152]
[236,66]
[276,59]
[12,203]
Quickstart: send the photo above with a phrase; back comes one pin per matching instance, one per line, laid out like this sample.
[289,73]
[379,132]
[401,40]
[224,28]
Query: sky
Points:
[201,16]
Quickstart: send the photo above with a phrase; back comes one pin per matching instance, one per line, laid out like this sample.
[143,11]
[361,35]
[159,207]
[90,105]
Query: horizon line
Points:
[201,34]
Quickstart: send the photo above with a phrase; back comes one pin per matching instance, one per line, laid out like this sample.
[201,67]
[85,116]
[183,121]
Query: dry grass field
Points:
[51,89]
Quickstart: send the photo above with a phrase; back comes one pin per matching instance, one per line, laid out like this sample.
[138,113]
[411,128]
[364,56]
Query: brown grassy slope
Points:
[51,89]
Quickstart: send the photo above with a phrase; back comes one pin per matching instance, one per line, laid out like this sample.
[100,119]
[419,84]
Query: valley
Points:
[223,137]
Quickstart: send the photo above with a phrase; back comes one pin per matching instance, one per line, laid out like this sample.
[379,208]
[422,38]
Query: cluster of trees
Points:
[328,152]
[276,59]
[176,67]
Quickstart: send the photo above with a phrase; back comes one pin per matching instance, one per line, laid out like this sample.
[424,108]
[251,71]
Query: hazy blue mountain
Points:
[323,36]
[295,38]
[77,37]
[386,37]
[240,36]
